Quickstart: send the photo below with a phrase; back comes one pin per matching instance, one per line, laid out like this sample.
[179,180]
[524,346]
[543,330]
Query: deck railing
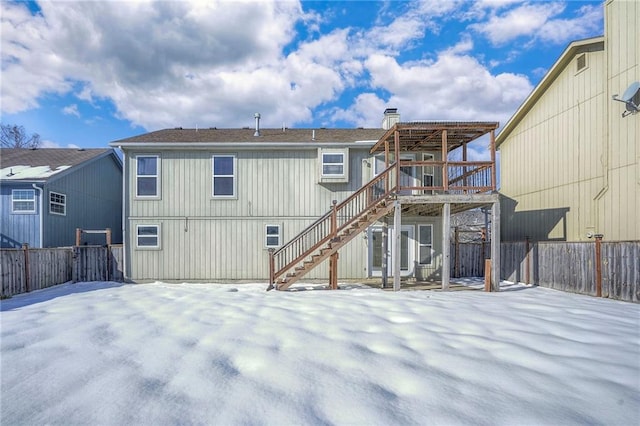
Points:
[329,226]
[453,177]
[433,177]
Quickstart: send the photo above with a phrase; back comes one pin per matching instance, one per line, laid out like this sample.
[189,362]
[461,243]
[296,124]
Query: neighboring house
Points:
[48,193]
[570,161]
[209,204]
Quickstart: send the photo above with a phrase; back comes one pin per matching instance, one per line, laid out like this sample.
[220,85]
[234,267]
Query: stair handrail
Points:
[326,229]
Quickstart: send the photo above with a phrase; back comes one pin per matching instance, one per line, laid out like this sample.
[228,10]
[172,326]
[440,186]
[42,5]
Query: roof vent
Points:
[257,117]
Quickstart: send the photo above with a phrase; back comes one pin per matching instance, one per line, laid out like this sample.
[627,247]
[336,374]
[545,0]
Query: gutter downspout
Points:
[41,236]
[124,225]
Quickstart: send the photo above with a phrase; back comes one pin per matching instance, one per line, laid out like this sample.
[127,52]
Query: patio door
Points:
[407,250]
[408,174]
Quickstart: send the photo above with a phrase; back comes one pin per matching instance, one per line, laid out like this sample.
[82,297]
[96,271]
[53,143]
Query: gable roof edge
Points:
[561,63]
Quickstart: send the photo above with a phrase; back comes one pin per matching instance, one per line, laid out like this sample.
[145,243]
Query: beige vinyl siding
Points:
[269,184]
[620,202]
[571,166]
[204,238]
[230,248]
[551,161]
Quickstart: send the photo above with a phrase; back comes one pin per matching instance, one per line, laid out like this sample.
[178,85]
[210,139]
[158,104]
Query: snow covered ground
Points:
[111,354]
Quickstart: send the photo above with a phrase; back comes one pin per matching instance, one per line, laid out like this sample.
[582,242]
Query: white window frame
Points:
[156,176]
[342,177]
[234,176]
[421,245]
[267,235]
[326,163]
[61,202]
[157,236]
[15,200]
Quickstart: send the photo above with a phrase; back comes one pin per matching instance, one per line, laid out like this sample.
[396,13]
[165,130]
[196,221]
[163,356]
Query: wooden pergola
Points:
[455,186]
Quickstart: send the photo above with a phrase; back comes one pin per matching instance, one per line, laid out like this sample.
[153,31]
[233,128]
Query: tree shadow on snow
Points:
[50,293]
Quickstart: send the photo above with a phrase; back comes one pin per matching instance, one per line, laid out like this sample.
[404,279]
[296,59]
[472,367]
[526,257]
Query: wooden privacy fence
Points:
[26,269]
[566,266]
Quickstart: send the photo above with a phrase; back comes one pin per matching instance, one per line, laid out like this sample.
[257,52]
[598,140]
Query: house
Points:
[570,155]
[48,193]
[244,204]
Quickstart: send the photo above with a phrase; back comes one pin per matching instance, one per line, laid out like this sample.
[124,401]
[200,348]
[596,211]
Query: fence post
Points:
[598,262]
[25,248]
[78,236]
[487,275]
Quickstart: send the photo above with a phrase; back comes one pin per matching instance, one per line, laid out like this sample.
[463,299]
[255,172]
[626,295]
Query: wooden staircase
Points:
[323,238]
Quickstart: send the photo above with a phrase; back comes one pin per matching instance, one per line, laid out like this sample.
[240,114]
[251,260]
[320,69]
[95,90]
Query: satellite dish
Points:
[631,99]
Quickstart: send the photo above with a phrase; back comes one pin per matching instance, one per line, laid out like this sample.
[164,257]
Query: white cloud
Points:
[521,21]
[71,110]
[536,21]
[453,87]
[167,64]
[564,30]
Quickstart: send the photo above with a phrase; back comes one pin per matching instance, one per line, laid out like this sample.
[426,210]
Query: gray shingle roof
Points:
[322,135]
[43,158]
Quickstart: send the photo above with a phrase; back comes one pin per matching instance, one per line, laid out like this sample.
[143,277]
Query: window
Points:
[425,243]
[57,203]
[333,164]
[148,236]
[273,236]
[23,201]
[147,176]
[224,176]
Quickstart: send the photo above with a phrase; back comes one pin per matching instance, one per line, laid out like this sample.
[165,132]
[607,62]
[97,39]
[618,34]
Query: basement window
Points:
[148,236]
[273,236]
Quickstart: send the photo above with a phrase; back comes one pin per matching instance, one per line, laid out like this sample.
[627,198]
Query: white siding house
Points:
[208,204]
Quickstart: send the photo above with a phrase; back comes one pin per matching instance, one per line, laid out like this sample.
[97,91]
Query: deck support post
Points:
[495,246]
[445,159]
[492,150]
[333,271]
[333,259]
[272,270]
[446,245]
[395,248]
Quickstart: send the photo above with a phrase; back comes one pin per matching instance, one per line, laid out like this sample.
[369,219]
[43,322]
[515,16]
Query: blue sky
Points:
[85,73]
